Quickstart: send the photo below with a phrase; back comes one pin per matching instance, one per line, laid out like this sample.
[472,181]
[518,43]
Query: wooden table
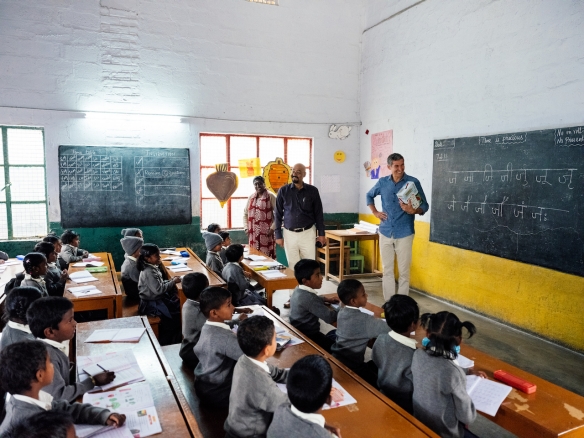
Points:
[110,299]
[343,236]
[176,419]
[271,284]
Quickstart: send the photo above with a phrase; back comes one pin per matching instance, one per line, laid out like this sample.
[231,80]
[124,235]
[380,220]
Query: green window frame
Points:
[20,222]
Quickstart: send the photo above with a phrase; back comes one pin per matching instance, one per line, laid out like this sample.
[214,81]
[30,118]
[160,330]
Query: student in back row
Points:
[244,294]
[56,241]
[130,272]
[55,278]
[213,243]
[70,251]
[18,300]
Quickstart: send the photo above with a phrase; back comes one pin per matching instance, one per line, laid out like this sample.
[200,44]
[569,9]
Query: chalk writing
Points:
[570,137]
[89,172]
[498,207]
[444,144]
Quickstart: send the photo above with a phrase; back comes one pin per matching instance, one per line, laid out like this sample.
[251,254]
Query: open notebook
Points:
[486,395]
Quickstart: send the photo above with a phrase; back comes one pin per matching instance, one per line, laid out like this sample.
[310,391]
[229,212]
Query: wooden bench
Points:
[130,308]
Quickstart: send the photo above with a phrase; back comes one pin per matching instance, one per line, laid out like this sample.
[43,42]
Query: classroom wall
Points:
[459,68]
[230,67]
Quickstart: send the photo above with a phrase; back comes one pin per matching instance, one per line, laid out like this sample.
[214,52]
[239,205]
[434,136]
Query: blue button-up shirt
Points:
[399,223]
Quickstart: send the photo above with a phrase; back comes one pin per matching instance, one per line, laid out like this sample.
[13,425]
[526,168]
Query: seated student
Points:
[309,387]
[44,424]
[35,268]
[244,293]
[52,321]
[70,251]
[17,303]
[217,349]
[25,369]
[306,307]
[192,317]
[226,242]
[3,257]
[51,238]
[214,228]
[254,395]
[440,399]
[158,294]
[393,351]
[213,243]
[55,279]
[130,272]
[355,329]
[133,232]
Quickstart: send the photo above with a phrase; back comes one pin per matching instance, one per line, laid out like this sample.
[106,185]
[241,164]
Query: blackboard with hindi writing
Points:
[123,186]
[518,195]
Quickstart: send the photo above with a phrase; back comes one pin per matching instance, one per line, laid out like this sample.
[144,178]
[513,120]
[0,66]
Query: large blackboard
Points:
[519,196]
[124,186]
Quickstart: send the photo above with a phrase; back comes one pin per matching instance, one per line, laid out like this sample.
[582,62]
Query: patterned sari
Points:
[259,220]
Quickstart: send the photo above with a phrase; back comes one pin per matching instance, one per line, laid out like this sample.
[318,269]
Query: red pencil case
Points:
[515,382]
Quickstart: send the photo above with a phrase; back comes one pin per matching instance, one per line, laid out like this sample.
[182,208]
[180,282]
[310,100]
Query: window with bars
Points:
[226,148]
[23,190]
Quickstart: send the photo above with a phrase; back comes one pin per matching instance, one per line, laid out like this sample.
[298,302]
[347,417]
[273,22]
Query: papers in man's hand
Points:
[123,363]
[256,258]
[84,264]
[179,268]
[486,395]
[84,291]
[339,395]
[82,277]
[116,335]
[272,274]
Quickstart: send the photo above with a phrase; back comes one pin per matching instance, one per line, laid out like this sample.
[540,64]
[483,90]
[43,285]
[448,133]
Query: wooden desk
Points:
[175,416]
[271,284]
[343,236]
[110,299]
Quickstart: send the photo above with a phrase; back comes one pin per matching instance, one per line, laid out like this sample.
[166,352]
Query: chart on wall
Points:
[117,186]
[518,195]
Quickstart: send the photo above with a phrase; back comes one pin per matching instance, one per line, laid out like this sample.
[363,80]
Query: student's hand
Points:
[280,242]
[243,310]
[104,378]
[333,429]
[85,254]
[176,280]
[2,262]
[242,317]
[64,275]
[247,274]
[481,374]
[116,420]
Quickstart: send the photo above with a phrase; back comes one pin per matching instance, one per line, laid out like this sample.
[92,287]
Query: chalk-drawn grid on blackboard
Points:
[160,177]
[90,172]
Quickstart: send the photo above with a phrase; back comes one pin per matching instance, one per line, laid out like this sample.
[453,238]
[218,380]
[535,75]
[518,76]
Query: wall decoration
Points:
[339,132]
[367,166]
[339,156]
[277,174]
[249,167]
[222,183]
[381,148]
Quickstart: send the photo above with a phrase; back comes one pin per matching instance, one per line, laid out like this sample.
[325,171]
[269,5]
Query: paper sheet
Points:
[12,262]
[486,395]
[340,398]
[179,268]
[272,274]
[266,263]
[90,430]
[87,293]
[256,258]
[83,264]
[116,335]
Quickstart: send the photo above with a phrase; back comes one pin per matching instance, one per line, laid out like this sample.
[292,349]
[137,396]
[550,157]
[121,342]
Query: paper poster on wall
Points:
[381,148]
[249,167]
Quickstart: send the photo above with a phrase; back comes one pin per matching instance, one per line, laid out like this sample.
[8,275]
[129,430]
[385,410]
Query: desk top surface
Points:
[106,281]
[197,265]
[289,273]
[352,235]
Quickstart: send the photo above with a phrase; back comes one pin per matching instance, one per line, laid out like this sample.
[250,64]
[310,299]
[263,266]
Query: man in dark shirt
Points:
[299,218]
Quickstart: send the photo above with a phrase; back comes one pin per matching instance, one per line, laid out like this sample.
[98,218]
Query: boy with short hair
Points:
[52,321]
[192,317]
[355,329]
[217,349]
[306,307]
[130,272]
[53,424]
[254,393]
[226,242]
[25,369]
[393,351]
[309,387]
[243,292]
[213,244]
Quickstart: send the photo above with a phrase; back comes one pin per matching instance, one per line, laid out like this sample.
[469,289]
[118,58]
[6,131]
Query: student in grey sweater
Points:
[56,241]
[306,307]
[243,292]
[55,279]
[309,386]
[130,272]
[25,369]
[70,251]
[192,317]
[35,268]
[3,256]
[254,394]
[51,321]
[16,304]
[355,329]
[213,244]
[393,351]
[217,349]
[440,399]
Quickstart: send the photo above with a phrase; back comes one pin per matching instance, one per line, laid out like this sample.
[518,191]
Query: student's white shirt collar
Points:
[150,264]
[262,365]
[193,301]
[408,342]
[52,265]
[313,418]
[17,326]
[33,401]
[38,280]
[131,258]
[309,289]
[218,324]
[64,346]
[351,307]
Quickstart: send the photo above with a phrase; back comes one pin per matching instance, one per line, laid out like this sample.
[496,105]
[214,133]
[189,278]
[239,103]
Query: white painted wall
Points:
[256,67]
[455,68]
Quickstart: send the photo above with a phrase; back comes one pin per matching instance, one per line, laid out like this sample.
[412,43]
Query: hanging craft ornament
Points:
[277,174]
[222,183]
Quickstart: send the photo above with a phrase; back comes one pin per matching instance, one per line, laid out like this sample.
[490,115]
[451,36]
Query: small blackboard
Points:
[124,186]
[519,196]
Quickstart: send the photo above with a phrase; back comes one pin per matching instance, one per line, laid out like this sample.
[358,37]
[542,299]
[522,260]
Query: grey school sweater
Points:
[287,425]
[254,398]
[12,335]
[354,330]
[214,262]
[70,253]
[394,362]
[82,413]
[233,273]
[129,269]
[151,284]
[40,285]
[440,399]
[193,321]
[61,388]
[306,308]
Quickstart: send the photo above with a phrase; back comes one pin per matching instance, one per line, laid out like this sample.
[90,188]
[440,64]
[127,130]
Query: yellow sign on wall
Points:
[249,167]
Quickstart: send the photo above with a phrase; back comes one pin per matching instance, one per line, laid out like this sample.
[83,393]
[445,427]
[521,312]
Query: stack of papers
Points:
[84,291]
[486,395]
[116,335]
[91,258]
[123,363]
[367,226]
[136,403]
[339,394]
[178,268]
[266,263]
[168,251]
[256,258]
[285,339]
[273,273]
[82,277]
[84,264]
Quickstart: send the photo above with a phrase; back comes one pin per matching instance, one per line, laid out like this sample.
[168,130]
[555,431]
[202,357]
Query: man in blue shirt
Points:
[396,230]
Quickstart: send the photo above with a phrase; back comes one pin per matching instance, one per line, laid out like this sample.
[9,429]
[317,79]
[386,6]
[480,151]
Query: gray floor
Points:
[544,359]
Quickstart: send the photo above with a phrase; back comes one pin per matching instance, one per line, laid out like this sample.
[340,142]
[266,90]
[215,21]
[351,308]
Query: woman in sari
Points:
[258,218]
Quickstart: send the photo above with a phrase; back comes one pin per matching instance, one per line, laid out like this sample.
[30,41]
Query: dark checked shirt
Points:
[298,209]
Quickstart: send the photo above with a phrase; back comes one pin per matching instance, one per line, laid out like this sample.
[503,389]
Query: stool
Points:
[356,260]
